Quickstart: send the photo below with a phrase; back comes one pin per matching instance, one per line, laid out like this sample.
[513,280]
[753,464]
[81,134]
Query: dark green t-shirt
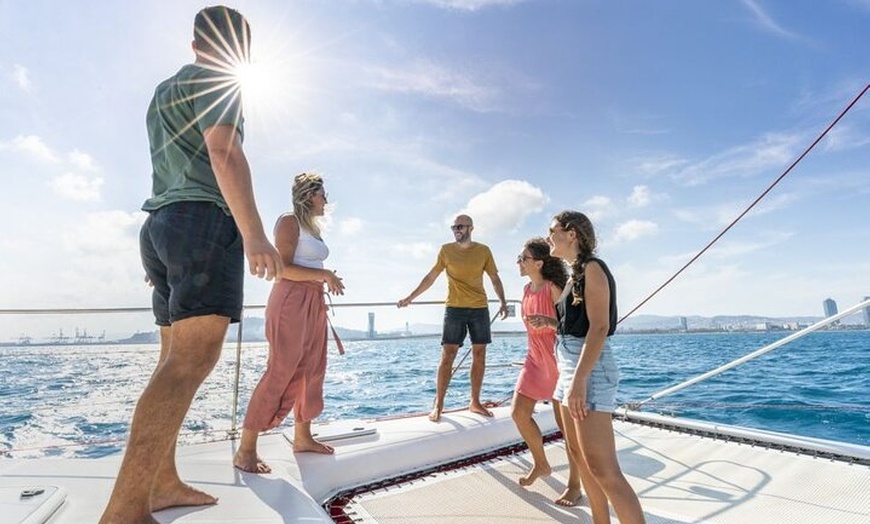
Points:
[184,106]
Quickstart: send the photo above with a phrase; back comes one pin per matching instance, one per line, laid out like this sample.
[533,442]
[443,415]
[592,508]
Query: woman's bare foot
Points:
[250,462]
[537,471]
[479,409]
[569,497]
[179,494]
[435,415]
[312,446]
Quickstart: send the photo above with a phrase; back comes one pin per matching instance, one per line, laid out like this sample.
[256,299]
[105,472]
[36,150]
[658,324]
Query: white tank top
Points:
[310,250]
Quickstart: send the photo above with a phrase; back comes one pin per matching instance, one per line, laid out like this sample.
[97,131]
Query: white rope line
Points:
[757,353]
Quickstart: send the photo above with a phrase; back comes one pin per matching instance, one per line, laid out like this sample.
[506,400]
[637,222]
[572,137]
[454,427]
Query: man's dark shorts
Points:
[192,254]
[461,320]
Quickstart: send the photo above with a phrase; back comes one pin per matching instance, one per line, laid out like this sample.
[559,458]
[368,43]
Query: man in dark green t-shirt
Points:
[202,223]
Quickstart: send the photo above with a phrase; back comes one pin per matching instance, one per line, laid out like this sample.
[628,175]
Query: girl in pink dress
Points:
[537,380]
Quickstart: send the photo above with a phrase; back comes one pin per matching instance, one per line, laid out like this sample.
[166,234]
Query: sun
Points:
[255,81]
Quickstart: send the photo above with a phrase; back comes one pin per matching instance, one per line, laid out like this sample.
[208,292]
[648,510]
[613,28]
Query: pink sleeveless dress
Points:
[539,375]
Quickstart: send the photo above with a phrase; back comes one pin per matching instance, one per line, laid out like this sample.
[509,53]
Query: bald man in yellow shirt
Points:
[466,309]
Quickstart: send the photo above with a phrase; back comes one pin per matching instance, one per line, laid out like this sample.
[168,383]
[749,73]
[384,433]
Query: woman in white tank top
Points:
[296,327]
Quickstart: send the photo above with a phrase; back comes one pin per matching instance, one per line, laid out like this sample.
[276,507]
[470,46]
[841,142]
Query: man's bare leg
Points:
[167,481]
[522,408]
[246,458]
[303,440]
[573,491]
[442,379]
[195,345]
[478,368]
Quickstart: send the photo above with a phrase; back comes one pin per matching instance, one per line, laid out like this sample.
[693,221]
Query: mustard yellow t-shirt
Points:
[465,268]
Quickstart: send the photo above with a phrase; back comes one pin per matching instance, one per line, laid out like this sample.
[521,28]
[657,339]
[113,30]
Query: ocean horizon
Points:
[77,402]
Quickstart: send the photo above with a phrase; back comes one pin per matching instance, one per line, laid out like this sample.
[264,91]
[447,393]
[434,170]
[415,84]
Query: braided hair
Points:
[582,227]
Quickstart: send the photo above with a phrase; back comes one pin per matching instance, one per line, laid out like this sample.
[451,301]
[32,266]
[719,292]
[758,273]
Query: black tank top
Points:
[573,319]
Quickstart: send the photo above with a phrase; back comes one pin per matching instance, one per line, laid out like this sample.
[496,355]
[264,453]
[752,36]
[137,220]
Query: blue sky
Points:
[661,120]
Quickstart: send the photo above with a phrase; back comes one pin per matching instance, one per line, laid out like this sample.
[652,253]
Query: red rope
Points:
[756,201]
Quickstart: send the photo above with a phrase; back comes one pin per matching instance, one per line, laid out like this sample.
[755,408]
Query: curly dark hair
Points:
[553,268]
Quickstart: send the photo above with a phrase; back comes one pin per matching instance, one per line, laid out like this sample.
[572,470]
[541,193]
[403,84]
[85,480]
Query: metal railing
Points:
[233,431]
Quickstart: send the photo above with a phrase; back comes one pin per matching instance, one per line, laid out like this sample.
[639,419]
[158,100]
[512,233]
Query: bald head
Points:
[462,226]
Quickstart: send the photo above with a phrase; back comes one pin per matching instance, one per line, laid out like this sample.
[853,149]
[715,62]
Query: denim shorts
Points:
[192,254]
[603,381]
[459,321]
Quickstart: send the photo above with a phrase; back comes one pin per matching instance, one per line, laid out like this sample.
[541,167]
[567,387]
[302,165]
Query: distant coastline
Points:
[253,329]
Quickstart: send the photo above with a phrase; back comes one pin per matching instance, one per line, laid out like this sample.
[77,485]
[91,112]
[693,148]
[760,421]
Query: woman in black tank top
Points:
[587,311]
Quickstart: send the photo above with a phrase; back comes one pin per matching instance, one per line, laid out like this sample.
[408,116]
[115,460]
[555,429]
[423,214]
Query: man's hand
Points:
[503,310]
[404,302]
[263,259]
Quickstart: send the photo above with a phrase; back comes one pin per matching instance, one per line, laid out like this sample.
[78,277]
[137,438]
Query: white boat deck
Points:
[680,478]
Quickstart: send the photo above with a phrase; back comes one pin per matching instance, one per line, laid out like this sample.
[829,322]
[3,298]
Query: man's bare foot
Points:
[435,415]
[537,471]
[251,463]
[179,494]
[312,446]
[569,497]
[123,519]
[480,410]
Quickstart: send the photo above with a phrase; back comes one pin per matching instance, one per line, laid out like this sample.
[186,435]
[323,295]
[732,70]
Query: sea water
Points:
[77,401]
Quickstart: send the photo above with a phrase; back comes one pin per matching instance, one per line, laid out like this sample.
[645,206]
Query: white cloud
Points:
[105,232]
[468,5]
[32,146]
[82,160]
[659,164]
[77,187]
[417,250]
[771,151]
[21,77]
[597,201]
[766,22]
[505,206]
[640,196]
[634,229]
[597,207]
[844,138]
[350,226]
[724,213]
[436,81]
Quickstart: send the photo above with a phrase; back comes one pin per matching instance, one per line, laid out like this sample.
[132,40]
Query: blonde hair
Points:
[304,186]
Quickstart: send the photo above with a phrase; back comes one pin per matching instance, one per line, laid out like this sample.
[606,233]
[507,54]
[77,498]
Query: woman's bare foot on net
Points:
[534,474]
[569,497]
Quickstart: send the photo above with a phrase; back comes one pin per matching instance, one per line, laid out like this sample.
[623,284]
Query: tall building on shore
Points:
[830,306]
[867,314]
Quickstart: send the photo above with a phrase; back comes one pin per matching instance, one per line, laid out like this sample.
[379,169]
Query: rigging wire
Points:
[752,205]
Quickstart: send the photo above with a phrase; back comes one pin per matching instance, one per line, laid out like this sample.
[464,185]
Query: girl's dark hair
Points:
[553,268]
[582,227]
